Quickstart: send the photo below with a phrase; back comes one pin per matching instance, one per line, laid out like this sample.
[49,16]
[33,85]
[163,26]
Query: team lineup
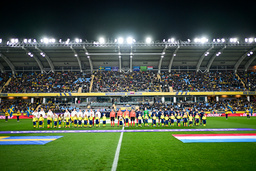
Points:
[132,118]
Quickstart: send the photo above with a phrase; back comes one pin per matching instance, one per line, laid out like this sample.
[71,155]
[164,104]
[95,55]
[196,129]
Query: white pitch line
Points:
[115,162]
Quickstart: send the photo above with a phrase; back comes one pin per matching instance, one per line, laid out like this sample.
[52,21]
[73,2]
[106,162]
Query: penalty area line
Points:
[115,162]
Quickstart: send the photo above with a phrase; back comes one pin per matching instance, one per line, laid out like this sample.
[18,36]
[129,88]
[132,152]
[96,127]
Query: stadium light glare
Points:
[171,40]
[120,40]
[223,40]
[1,40]
[148,40]
[88,57]
[129,40]
[101,40]
[119,56]
[67,41]
[76,40]
[75,55]
[233,40]
[25,40]
[250,40]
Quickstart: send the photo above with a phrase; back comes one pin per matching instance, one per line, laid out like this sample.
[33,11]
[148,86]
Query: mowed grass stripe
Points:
[161,151]
[93,151]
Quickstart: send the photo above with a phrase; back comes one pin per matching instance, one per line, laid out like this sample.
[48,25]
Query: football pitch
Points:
[138,150]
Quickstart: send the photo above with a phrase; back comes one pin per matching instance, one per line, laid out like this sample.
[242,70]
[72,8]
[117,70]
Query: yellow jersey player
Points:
[85,121]
[185,119]
[41,121]
[162,119]
[55,120]
[6,115]
[154,120]
[75,121]
[178,120]
[146,120]
[91,121]
[67,119]
[197,120]
[166,120]
[97,121]
[139,120]
[247,113]
[190,120]
[126,117]
[49,121]
[80,121]
[60,121]
[120,121]
[34,121]
[172,117]
[204,120]
[104,120]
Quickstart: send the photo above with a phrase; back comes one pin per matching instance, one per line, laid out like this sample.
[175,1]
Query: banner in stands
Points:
[115,68]
[136,68]
[107,68]
[143,68]
[150,67]
[101,68]
[230,114]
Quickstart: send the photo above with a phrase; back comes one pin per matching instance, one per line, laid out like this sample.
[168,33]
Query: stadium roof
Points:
[167,55]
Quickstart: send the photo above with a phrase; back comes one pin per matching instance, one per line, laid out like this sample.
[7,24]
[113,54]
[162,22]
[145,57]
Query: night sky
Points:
[139,19]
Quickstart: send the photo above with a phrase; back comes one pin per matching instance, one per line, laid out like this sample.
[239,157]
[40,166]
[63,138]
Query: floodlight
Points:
[233,40]
[101,40]
[148,40]
[88,57]
[162,56]
[119,56]
[67,41]
[204,40]
[1,40]
[77,40]
[75,55]
[25,40]
[120,40]
[222,40]
[171,40]
[129,40]
[250,40]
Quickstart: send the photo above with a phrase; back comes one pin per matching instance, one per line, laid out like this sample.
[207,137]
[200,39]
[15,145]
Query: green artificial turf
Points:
[139,151]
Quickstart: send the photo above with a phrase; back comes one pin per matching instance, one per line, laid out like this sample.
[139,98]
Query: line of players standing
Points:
[89,118]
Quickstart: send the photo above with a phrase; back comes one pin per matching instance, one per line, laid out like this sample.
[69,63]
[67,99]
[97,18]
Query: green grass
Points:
[139,151]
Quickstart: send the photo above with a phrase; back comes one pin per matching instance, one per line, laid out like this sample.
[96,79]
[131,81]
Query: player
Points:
[42,112]
[190,120]
[146,121]
[104,120]
[6,115]
[49,121]
[138,112]
[80,119]
[73,113]
[34,121]
[67,119]
[166,120]
[154,120]
[66,113]
[247,113]
[172,119]
[55,120]
[93,116]
[97,120]
[159,115]
[126,117]
[201,116]
[197,120]
[120,121]
[60,120]
[139,120]
[75,120]
[91,124]
[85,119]
[132,116]
[41,121]
[204,119]
[18,115]
[178,120]
[185,119]
[162,119]
[119,113]
[166,112]
[112,117]
[86,113]
[50,113]
[226,113]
